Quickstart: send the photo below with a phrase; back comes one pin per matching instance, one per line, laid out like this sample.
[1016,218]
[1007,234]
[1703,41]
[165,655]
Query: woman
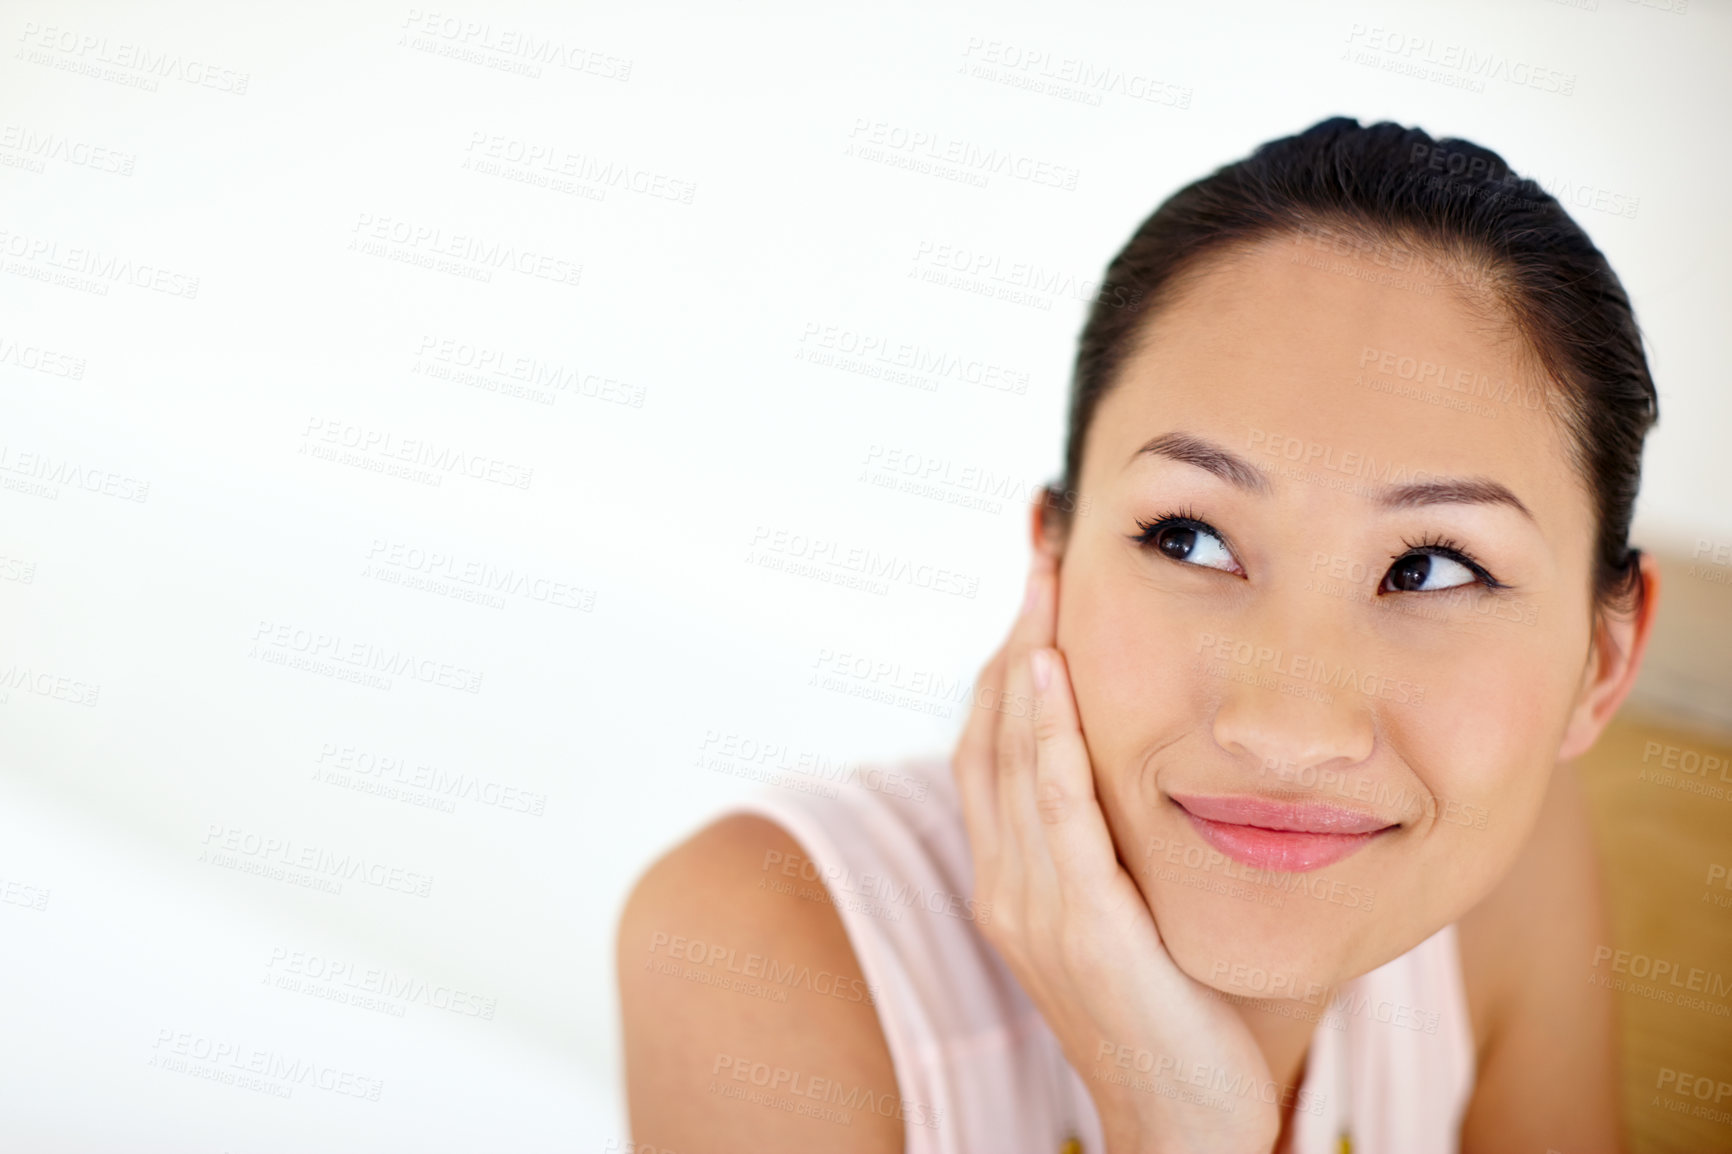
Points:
[1258,836]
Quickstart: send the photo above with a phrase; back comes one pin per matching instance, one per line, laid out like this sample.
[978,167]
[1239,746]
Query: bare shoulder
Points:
[748,1025]
[1545,1033]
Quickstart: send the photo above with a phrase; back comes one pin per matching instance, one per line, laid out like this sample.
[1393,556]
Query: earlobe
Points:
[1620,640]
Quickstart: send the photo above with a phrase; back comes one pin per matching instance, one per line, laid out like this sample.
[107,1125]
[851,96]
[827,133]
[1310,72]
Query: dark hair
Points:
[1396,195]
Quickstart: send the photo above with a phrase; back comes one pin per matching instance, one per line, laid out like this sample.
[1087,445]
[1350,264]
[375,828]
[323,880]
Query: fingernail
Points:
[1040,664]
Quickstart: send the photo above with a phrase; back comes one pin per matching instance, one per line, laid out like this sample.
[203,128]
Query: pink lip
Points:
[1283,836]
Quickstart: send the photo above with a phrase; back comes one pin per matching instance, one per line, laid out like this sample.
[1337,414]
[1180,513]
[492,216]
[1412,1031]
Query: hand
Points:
[1073,927]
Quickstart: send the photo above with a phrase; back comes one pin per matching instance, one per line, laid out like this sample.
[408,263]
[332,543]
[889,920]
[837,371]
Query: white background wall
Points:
[148,717]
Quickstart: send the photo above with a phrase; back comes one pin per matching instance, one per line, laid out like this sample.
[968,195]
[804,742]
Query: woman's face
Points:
[1320,733]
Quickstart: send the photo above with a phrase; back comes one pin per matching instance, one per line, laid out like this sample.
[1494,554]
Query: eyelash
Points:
[1431,544]
[1439,545]
[1183,518]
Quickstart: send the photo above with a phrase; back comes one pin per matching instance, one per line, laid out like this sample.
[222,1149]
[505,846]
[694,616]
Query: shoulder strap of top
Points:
[976,1066]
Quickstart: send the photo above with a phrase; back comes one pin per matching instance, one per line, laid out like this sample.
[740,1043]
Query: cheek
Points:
[1482,744]
[1493,713]
[1132,665]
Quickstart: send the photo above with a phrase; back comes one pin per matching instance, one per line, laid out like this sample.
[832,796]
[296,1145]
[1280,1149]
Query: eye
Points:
[1426,572]
[1188,540]
[1434,565]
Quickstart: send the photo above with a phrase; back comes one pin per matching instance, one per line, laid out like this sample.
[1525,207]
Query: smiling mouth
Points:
[1281,836]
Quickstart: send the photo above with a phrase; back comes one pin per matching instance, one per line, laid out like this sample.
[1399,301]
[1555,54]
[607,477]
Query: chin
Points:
[1262,942]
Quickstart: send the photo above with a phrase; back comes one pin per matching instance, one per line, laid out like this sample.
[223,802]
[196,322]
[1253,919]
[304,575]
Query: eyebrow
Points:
[1240,473]
[1189,450]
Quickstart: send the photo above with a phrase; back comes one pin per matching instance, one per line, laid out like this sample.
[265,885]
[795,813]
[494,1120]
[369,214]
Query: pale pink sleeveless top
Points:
[977,1068]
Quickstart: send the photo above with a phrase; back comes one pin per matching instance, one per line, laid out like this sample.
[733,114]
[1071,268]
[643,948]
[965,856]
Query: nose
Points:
[1286,712]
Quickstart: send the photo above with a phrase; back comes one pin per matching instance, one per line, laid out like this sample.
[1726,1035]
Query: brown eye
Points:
[1190,543]
[1426,573]
[1176,543]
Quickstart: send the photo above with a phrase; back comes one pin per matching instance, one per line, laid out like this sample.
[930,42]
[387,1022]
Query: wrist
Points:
[1129,1126]
[1141,1121]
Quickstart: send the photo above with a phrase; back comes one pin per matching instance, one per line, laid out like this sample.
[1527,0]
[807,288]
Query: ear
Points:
[1613,661]
[1046,531]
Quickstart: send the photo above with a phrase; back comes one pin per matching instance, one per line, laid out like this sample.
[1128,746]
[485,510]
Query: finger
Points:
[1014,757]
[1034,625]
[974,759]
[973,762]
[972,767]
[979,729]
[1072,827]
